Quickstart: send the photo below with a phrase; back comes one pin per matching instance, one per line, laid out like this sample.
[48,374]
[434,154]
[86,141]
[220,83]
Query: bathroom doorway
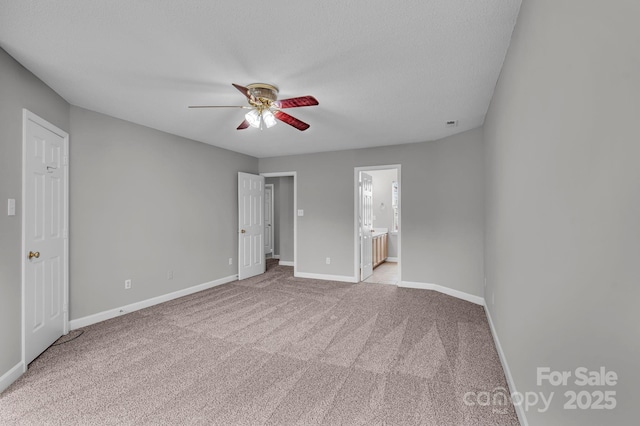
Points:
[377,224]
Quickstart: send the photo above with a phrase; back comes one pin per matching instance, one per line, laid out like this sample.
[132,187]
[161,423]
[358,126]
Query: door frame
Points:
[356,209]
[295,213]
[26,117]
[271,231]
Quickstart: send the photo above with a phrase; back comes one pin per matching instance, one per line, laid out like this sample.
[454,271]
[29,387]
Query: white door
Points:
[268,219]
[45,237]
[250,225]
[366,225]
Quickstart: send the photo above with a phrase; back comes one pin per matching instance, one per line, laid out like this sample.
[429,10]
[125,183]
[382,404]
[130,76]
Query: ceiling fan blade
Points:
[242,90]
[243,125]
[218,106]
[292,121]
[302,101]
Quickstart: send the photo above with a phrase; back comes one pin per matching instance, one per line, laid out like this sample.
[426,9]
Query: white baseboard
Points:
[11,376]
[285,263]
[112,313]
[505,366]
[325,277]
[446,290]
[391,259]
[479,301]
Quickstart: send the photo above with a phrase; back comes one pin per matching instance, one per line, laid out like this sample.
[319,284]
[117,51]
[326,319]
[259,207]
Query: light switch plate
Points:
[300,212]
[11,207]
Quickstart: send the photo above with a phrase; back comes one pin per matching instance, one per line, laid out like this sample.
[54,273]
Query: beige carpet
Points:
[273,350]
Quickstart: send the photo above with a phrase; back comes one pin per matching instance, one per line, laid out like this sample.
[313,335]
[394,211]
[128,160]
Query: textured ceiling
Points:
[384,72]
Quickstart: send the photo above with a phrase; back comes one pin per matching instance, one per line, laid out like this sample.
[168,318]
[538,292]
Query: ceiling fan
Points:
[265,108]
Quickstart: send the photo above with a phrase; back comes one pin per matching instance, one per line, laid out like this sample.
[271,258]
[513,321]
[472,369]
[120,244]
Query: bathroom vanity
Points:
[379,237]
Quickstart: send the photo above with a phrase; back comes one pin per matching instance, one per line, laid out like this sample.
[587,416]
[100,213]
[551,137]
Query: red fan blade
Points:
[292,121]
[243,125]
[242,90]
[296,102]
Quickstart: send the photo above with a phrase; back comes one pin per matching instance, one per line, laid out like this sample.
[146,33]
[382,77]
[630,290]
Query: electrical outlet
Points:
[11,207]
[127,284]
[231,261]
[328,261]
[169,275]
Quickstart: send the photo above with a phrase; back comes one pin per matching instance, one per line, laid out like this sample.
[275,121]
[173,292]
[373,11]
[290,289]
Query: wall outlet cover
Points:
[11,207]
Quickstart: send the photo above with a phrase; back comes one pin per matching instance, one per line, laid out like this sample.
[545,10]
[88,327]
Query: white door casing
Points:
[366,225]
[295,216]
[357,256]
[268,219]
[250,225]
[45,286]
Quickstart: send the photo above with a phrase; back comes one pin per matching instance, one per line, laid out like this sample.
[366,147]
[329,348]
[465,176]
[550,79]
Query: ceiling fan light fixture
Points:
[268,118]
[253,118]
[265,108]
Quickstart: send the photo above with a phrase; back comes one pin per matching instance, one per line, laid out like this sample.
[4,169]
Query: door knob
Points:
[32,255]
[243,231]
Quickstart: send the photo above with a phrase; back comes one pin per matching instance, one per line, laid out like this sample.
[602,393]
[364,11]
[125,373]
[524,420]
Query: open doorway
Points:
[269,220]
[377,219]
[283,220]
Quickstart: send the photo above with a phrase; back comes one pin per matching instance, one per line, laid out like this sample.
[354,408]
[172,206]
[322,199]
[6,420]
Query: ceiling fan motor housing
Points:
[262,90]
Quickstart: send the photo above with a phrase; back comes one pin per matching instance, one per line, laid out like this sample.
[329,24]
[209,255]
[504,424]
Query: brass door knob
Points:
[243,231]
[32,255]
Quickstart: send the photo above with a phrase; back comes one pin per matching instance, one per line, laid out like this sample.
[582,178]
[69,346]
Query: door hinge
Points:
[65,161]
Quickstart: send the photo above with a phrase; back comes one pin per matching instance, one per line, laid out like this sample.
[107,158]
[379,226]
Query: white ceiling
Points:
[384,72]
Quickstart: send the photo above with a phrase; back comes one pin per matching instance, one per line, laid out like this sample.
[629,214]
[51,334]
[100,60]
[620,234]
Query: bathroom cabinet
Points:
[380,248]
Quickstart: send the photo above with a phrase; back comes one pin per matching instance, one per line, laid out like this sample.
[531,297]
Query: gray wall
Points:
[563,201]
[18,89]
[144,202]
[442,209]
[382,180]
